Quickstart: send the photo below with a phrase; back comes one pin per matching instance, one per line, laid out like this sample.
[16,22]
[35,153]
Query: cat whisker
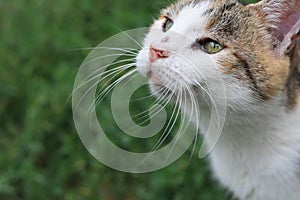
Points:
[156,109]
[98,73]
[95,84]
[127,52]
[106,56]
[116,72]
[110,87]
[165,97]
[92,76]
[154,112]
[124,50]
[107,90]
[179,133]
[214,105]
[195,107]
[165,134]
[194,68]
[124,67]
[162,98]
[147,97]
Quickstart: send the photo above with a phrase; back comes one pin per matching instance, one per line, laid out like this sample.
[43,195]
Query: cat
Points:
[254,49]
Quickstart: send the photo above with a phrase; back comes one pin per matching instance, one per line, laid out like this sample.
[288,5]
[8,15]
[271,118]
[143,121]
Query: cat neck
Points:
[266,125]
[260,150]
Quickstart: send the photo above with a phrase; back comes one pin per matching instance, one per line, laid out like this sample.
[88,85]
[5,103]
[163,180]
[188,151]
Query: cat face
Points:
[195,44]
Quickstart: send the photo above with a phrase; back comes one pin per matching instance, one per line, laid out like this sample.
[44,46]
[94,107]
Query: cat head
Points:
[196,43]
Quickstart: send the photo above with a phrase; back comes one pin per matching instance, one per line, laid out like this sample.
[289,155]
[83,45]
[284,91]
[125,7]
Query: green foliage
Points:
[250,1]
[42,156]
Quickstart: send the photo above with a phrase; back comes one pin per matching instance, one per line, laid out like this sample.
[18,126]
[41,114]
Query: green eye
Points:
[211,46]
[167,24]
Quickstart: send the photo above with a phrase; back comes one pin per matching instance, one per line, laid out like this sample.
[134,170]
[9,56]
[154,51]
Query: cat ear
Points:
[282,18]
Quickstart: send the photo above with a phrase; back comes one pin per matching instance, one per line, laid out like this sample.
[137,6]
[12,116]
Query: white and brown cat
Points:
[256,51]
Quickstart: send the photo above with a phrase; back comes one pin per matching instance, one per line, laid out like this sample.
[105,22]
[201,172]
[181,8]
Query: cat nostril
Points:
[156,54]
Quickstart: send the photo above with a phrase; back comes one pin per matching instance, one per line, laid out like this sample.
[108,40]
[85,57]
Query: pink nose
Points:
[156,54]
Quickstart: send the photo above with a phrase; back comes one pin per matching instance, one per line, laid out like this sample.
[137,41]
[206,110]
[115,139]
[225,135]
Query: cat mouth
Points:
[158,85]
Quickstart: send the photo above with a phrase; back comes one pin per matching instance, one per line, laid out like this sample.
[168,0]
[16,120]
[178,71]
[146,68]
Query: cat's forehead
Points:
[208,5]
[210,15]
[224,21]
[191,17]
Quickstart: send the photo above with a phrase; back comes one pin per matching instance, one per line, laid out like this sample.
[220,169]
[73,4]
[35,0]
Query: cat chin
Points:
[160,91]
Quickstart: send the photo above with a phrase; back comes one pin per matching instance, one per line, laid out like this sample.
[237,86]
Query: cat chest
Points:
[256,170]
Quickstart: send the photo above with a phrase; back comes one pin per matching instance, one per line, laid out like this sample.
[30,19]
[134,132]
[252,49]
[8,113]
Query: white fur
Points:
[260,158]
[258,154]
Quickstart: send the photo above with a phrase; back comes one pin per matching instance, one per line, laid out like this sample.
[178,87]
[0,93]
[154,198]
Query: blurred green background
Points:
[42,156]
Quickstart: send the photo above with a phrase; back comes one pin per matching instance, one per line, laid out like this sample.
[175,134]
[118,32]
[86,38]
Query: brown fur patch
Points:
[239,28]
[293,83]
[251,56]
